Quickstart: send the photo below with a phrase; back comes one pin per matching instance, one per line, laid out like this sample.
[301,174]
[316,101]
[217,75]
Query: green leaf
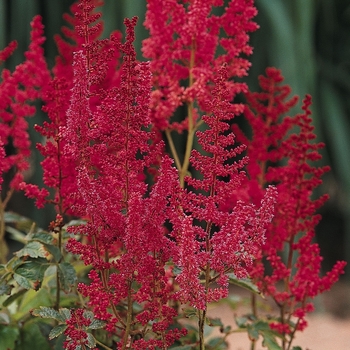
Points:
[91,340]
[31,300]
[189,313]
[270,342]
[65,314]
[33,249]
[30,274]
[96,324]
[43,237]
[5,288]
[33,333]
[67,275]
[48,312]
[241,322]
[89,314]
[57,331]
[8,336]
[217,343]
[214,322]
[13,297]
[297,348]
[253,333]
[22,223]
[54,251]
[245,283]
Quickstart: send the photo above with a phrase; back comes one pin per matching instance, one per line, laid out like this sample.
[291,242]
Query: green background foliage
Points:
[308,39]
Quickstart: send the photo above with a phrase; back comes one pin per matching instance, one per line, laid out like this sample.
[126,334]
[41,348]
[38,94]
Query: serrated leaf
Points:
[57,331]
[23,282]
[245,283]
[67,276]
[65,313]
[30,274]
[89,314]
[13,297]
[33,249]
[43,237]
[91,341]
[96,324]
[48,312]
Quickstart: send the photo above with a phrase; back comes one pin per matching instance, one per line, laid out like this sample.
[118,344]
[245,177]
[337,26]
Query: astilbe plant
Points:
[18,90]
[289,265]
[155,239]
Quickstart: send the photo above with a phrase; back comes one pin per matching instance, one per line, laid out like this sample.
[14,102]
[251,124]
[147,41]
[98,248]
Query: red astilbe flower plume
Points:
[127,243]
[212,242]
[59,168]
[290,139]
[17,91]
[183,44]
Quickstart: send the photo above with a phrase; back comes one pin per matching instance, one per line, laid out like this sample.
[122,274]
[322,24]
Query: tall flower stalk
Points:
[290,253]
[155,238]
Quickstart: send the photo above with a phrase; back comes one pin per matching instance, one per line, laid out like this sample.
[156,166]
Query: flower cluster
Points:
[155,236]
[289,239]
[17,91]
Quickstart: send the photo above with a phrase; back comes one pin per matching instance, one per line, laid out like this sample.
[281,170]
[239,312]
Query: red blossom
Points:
[291,140]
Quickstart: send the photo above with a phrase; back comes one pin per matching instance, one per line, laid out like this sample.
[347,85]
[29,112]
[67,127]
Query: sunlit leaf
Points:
[48,312]
[33,249]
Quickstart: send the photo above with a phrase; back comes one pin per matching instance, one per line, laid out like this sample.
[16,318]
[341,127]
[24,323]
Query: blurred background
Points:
[309,40]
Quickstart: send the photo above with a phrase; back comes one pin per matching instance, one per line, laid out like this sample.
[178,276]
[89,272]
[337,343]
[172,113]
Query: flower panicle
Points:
[277,139]
[17,92]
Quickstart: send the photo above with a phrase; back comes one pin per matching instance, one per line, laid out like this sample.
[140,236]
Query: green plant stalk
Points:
[128,319]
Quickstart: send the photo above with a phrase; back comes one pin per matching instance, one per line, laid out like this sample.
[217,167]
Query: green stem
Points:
[128,319]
